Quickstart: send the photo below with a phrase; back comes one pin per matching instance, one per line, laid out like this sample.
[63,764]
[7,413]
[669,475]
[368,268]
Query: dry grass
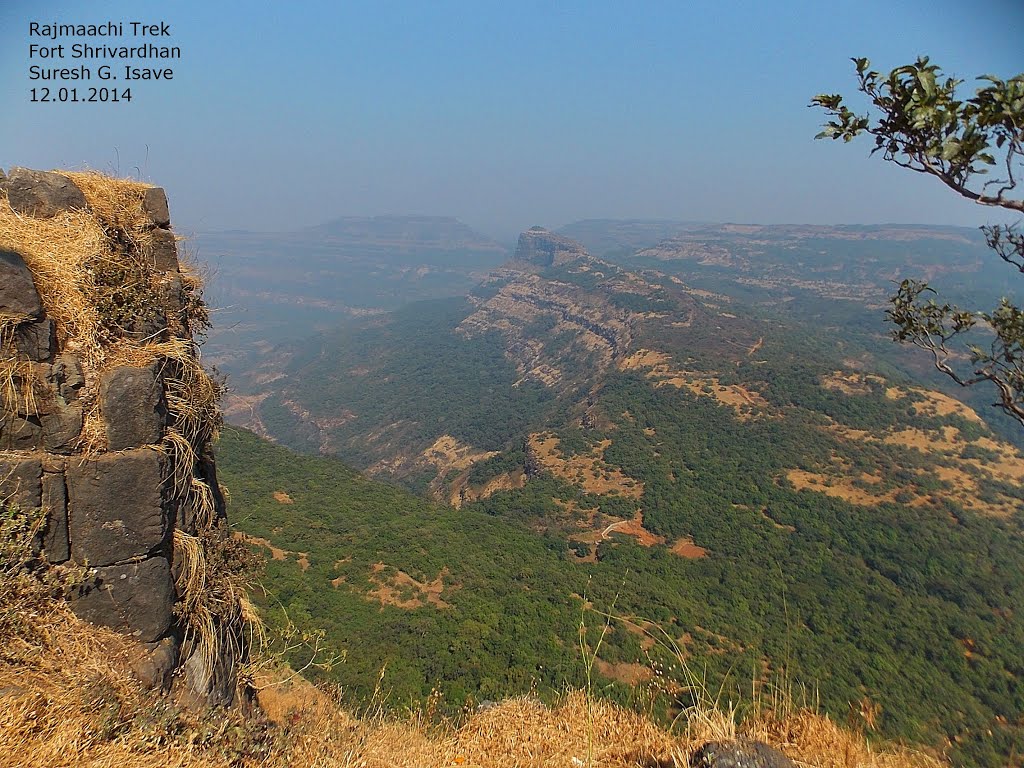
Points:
[69,699]
[589,471]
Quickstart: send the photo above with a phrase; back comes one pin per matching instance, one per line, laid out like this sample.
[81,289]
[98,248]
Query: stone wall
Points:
[89,443]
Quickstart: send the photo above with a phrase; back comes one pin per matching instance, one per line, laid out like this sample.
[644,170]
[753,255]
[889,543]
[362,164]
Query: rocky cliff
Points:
[107,419]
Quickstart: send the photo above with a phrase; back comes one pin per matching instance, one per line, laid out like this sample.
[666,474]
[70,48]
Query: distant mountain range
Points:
[271,287]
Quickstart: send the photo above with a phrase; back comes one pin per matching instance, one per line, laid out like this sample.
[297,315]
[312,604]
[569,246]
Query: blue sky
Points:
[505,114]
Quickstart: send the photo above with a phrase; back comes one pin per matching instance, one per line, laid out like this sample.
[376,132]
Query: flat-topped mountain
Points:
[541,248]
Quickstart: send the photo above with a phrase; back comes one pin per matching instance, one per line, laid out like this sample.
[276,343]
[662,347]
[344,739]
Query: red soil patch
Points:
[634,528]
[283,498]
[685,547]
[624,672]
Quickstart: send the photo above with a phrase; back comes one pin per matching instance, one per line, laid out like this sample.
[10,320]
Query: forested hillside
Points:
[733,482]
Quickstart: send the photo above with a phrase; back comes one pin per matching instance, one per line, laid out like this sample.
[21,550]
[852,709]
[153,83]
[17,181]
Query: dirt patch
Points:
[644,358]
[624,672]
[964,467]
[283,498]
[740,398]
[634,528]
[847,383]
[685,547]
[839,487]
[276,553]
[399,589]
[935,403]
[462,493]
[448,454]
[587,471]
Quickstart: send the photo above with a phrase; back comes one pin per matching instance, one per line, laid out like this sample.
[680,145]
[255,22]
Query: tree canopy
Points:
[975,146]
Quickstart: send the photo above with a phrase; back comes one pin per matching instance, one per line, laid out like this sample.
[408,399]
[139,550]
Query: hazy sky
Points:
[504,114]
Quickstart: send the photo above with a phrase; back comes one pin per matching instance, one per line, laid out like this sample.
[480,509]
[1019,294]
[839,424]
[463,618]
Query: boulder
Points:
[56,545]
[18,295]
[37,341]
[154,204]
[133,406]
[118,506]
[135,598]
[742,753]
[41,194]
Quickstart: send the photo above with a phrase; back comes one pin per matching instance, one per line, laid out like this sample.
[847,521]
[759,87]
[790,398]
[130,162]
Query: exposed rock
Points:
[739,754]
[56,544]
[66,376]
[135,598]
[19,433]
[157,662]
[18,295]
[20,481]
[41,194]
[61,427]
[118,506]
[542,248]
[154,204]
[201,687]
[164,253]
[133,406]
[37,341]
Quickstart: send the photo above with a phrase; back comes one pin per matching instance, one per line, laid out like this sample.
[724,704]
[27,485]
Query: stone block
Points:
[61,428]
[21,481]
[56,545]
[133,406]
[41,194]
[18,295]
[135,598]
[164,251]
[154,204]
[118,506]
[37,341]
[20,433]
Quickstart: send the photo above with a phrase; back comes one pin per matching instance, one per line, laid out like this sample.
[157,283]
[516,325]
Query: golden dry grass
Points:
[69,699]
[589,472]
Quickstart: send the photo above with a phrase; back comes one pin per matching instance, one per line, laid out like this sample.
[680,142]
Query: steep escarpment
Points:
[107,420]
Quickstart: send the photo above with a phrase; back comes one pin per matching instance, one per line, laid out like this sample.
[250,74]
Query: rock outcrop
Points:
[107,418]
[541,248]
[742,753]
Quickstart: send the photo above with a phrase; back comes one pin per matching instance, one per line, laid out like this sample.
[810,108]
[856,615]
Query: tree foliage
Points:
[975,146]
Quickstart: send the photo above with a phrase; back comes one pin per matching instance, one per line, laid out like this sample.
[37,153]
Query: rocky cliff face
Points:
[107,418]
[541,248]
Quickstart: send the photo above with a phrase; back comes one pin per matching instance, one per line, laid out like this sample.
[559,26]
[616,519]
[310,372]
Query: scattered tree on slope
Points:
[920,122]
